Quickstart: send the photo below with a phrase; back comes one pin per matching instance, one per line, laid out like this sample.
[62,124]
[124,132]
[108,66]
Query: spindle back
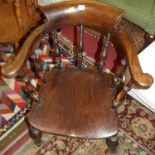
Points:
[84,15]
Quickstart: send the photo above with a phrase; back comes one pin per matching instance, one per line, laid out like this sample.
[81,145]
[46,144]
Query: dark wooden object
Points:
[81,46]
[78,102]
[104,54]
[36,134]
[17,17]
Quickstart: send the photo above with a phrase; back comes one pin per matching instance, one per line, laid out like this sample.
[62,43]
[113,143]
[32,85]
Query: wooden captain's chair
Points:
[79,102]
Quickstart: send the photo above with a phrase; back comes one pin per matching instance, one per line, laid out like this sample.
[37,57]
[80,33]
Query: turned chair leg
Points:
[36,135]
[112,142]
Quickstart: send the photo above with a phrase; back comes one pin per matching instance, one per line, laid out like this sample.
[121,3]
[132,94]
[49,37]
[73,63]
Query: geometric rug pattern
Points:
[13,104]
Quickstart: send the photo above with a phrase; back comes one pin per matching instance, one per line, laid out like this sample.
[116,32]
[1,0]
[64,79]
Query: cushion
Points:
[141,13]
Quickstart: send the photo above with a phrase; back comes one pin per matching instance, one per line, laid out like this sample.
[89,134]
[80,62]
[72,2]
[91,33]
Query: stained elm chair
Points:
[79,102]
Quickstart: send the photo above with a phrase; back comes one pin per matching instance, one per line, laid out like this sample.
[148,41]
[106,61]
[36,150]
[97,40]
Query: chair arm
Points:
[140,79]
[11,68]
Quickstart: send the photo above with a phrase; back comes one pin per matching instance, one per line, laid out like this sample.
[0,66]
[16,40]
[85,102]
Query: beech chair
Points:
[80,102]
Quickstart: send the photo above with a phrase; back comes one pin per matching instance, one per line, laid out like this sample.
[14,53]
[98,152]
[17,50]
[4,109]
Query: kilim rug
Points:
[136,137]
[13,102]
[137,124]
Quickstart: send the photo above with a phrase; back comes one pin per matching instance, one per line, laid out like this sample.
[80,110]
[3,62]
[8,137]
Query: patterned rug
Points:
[136,137]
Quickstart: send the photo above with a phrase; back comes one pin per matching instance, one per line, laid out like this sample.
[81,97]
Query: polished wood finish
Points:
[78,102]
[136,33]
[56,47]
[81,46]
[141,80]
[82,12]
[17,17]
[11,68]
[36,134]
[18,13]
[104,53]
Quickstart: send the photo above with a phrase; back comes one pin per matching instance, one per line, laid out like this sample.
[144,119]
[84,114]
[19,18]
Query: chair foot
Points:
[112,142]
[36,135]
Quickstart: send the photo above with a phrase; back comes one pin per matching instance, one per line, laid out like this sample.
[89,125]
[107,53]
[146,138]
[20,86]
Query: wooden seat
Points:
[72,102]
[79,102]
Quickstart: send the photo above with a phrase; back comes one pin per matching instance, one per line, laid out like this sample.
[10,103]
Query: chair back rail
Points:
[88,13]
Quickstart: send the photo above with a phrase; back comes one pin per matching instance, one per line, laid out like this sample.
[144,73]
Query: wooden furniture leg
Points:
[36,135]
[112,142]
